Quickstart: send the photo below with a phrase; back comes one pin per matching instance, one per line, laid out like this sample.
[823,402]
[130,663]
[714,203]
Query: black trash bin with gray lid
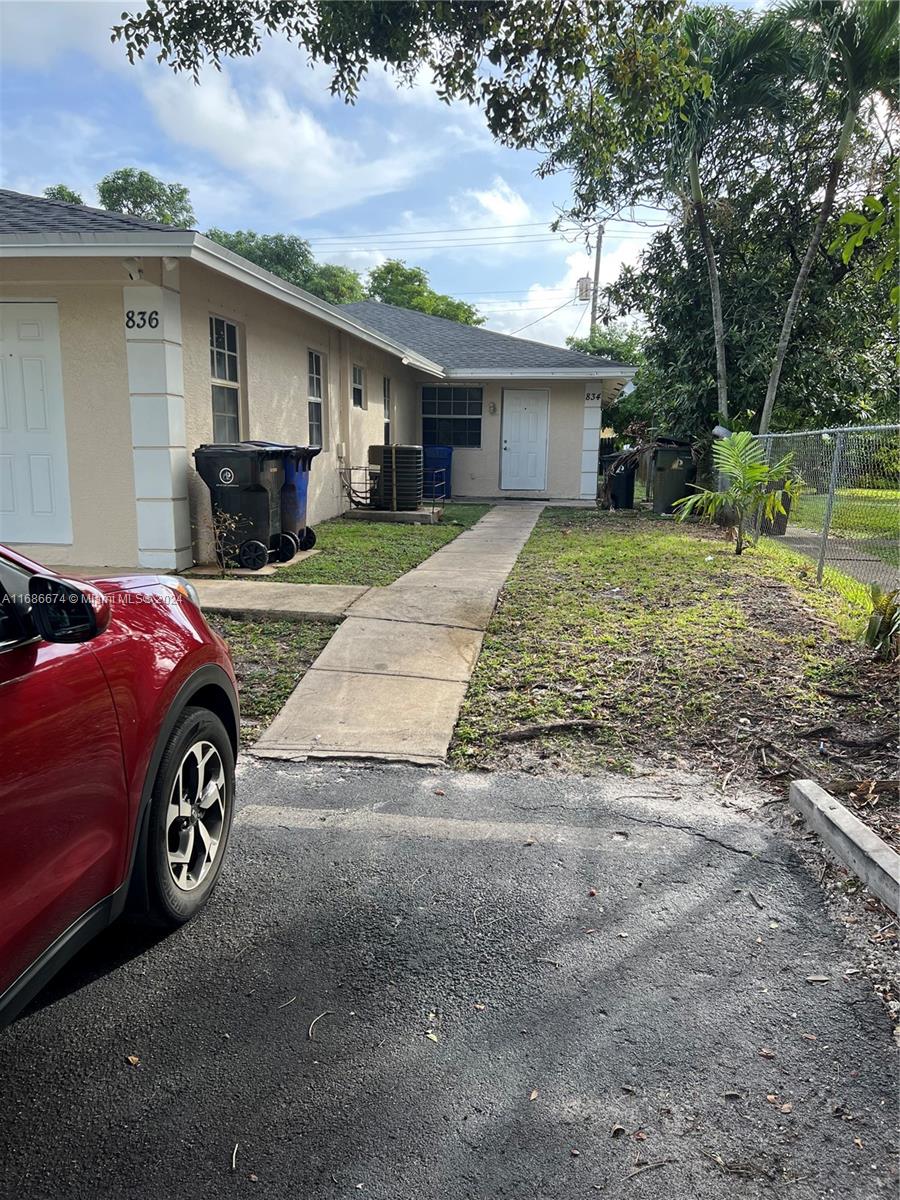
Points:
[245,483]
[673,471]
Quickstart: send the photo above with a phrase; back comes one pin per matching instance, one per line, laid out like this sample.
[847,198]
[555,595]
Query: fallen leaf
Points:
[253,1178]
[732,1095]
[818,979]
[810,1037]
[534,1094]
[858,1142]
[623,935]
[439,792]
[772,1098]
[575,1153]
[530,842]
[133,1059]
[640,1136]
[617,1130]
[479,1008]
[431,1035]
[766,1052]
[592,891]
[787,1108]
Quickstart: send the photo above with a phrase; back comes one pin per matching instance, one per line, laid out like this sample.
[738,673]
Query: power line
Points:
[469,229]
[538,320]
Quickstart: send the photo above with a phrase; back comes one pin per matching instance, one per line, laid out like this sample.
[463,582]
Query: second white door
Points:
[523,453]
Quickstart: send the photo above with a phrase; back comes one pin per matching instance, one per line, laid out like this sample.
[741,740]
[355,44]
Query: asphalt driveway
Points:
[530,988]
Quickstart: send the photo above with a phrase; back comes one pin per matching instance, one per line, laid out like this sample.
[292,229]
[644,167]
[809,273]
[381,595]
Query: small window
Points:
[387,411]
[359,387]
[225,381]
[315,392]
[451,416]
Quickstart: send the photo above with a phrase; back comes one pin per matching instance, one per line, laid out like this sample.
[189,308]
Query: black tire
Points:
[308,540]
[169,904]
[253,555]
[288,545]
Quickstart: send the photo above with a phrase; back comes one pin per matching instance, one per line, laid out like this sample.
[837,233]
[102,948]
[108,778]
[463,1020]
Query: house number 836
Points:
[139,318]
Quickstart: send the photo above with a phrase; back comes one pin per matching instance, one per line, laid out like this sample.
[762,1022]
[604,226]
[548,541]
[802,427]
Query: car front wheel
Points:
[191,810]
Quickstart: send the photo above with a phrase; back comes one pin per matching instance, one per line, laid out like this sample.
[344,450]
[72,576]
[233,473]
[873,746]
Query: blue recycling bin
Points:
[437,467]
[295,490]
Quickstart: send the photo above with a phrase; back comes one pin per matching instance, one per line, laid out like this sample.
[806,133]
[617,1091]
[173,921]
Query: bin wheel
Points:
[308,540]
[253,555]
[288,545]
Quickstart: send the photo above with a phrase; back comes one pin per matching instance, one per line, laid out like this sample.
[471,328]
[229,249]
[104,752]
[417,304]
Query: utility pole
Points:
[601,229]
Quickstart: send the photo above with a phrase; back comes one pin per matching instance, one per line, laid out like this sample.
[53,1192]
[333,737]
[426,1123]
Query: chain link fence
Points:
[847,516]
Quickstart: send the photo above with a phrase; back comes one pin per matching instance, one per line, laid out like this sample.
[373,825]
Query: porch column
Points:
[590,439]
[152,323]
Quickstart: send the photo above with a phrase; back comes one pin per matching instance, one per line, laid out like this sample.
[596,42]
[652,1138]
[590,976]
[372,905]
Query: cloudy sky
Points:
[264,146]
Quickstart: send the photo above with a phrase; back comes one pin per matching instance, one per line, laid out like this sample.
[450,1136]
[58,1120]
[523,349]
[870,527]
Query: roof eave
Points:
[586,372]
[181,243]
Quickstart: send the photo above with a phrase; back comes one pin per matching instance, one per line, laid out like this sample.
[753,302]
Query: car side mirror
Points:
[66,611]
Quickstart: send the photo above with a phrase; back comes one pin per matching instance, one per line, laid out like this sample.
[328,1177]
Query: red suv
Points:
[118,738]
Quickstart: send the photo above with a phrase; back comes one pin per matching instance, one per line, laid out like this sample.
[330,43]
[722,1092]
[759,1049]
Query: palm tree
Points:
[744,60]
[854,51]
[752,491]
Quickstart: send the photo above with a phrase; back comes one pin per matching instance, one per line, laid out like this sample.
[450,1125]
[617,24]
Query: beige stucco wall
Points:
[274,341]
[88,293]
[477,472]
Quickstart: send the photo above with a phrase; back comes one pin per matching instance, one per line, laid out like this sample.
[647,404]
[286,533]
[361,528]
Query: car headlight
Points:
[184,587]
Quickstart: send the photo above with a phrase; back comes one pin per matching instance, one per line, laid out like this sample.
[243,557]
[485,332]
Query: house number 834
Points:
[139,318]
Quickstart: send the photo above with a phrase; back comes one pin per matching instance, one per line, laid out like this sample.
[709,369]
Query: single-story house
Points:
[126,344]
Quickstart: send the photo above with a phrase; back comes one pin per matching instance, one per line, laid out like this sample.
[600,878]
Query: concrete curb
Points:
[871,859]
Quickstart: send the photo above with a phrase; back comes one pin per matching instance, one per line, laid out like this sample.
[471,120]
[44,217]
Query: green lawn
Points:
[376,553]
[860,514]
[680,649]
[270,657]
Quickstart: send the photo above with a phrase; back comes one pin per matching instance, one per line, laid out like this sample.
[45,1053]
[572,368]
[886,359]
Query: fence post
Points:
[829,503]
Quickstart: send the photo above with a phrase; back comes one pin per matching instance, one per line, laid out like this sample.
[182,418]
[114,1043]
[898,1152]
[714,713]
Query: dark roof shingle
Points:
[37,214]
[467,347]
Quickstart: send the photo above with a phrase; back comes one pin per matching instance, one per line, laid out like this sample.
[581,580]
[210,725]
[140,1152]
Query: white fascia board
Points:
[179,243]
[536,373]
[176,243]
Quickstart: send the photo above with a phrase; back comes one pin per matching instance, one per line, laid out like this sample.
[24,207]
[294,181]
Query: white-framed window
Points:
[224,380]
[386,389]
[358,389]
[315,391]
[451,416]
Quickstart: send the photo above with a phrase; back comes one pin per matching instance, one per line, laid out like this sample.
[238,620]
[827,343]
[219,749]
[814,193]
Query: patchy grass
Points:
[682,650]
[376,553]
[270,658]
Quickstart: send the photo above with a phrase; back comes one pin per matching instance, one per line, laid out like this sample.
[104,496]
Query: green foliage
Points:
[755,492]
[529,64]
[393,282]
[60,191]
[883,629]
[876,227]
[140,194]
[291,258]
[624,343]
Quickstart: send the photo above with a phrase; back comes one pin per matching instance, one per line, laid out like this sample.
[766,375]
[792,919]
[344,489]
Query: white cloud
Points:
[34,33]
[501,202]
[282,150]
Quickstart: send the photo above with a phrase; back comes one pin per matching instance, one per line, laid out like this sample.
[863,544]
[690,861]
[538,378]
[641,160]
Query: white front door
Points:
[523,456]
[34,469]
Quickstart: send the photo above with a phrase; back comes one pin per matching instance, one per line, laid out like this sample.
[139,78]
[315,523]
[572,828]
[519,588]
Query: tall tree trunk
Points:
[699,207]
[834,174]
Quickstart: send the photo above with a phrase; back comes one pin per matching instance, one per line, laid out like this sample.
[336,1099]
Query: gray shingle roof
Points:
[37,214]
[467,347]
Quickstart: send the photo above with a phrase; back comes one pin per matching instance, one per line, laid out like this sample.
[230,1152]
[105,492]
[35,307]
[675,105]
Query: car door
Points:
[63,800]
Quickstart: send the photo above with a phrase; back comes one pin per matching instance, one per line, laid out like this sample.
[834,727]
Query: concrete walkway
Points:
[390,683]
[277,601]
[847,555]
